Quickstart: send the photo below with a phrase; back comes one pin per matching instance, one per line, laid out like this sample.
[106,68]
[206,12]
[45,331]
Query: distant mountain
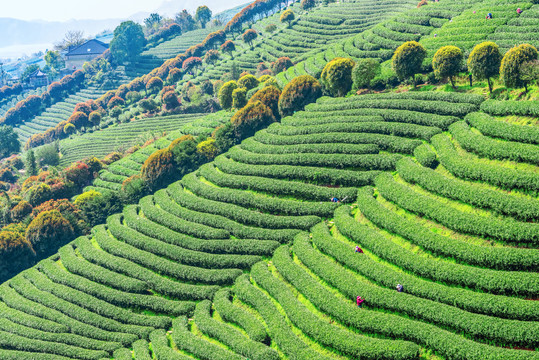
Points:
[32,36]
[23,32]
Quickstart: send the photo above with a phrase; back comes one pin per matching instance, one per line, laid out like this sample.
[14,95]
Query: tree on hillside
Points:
[512,63]
[447,63]
[364,71]
[408,59]
[281,64]
[192,63]
[54,60]
[288,16]
[251,118]
[203,15]
[185,20]
[9,141]
[299,92]
[530,72]
[153,20]
[307,4]
[249,36]
[71,38]
[211,56]
[228,47]
[30,163]
[484,62]
[128,42]
[337,76]
[225,94]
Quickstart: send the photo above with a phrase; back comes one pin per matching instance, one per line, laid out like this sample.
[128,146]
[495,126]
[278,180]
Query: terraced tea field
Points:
[471,28]
[311,32]
[524,29]
[124,135]
[406,169]
[115,174]
[155,56]
[56,113]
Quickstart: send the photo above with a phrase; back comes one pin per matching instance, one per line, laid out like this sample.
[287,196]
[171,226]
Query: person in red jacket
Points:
[358,250]
[360,301]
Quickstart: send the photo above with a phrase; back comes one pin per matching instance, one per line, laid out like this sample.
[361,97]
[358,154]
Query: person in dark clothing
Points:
[400,287]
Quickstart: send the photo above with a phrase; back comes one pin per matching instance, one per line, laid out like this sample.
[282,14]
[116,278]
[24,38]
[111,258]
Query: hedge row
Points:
[123,354]
[288,342]
[503,130]
[511,107]
[270,186]
[325,148]
[382,127]
[488,304]
[450,345]
[152,229]
[494,149]
[31,321]
[451,97]
[238,213]
[61,338]
[229,336]
[141,350]
[162,265]
[232,313]
[249,200]
[20,302]
[217,221]
[327,334]
[21,343]
[425,156]
[28,288]
[500,258]
[141,265]
[389,115]
[298,120]
[96,273]
[507,229]
[179,254]
[390,143]
[202,349]
[366,162]
[153,303]
[175,223]
[475,170]
[395,103]
[17,355]
[160,347]
[290,172]
[524,208]
[93,304]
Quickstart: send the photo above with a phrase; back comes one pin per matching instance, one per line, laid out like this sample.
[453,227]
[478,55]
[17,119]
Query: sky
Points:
[62,10]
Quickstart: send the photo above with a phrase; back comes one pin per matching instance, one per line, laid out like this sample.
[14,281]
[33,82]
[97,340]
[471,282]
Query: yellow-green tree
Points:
[288,16]
[407,59]
[336,76]
[447,63]
[512,62]
[484,62]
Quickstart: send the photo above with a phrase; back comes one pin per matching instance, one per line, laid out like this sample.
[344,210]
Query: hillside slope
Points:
[464,281]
